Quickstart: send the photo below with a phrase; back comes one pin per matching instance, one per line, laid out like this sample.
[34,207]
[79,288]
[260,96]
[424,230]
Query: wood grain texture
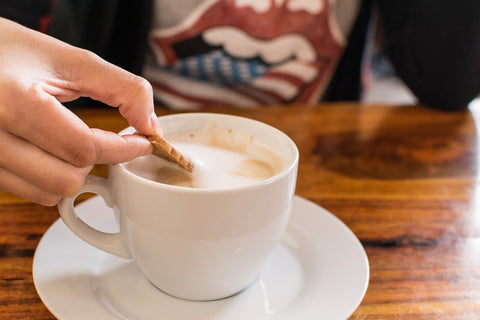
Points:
[404,179]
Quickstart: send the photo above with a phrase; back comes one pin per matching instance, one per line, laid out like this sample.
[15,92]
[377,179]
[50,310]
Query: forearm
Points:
[434,46]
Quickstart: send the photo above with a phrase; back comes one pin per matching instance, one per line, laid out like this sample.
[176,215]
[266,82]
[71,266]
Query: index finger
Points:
[98,79]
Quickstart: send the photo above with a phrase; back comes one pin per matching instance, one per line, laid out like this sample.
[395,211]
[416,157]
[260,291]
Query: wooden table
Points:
[404,179]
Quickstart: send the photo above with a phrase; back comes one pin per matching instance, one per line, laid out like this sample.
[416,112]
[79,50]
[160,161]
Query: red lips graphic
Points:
[246,54]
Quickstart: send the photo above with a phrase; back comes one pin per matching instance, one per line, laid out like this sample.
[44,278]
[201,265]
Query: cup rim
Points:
[284,172]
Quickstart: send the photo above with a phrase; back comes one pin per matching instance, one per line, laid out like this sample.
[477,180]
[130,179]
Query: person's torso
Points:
[245,52]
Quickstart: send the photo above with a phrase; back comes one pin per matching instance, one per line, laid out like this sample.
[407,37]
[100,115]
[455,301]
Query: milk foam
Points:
[216,167]
[222,159]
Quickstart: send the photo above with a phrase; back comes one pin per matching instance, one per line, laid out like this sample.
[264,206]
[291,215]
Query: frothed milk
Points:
[222,159]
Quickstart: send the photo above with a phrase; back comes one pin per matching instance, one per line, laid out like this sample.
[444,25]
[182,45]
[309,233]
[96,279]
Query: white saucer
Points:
[320,271]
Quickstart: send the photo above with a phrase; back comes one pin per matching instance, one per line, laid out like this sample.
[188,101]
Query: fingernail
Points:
[155,124]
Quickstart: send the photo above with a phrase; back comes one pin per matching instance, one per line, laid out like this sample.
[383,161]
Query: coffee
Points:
[199,244]
[222,159]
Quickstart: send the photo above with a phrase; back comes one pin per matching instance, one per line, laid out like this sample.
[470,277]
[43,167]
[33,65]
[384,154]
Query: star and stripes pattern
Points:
[243,82]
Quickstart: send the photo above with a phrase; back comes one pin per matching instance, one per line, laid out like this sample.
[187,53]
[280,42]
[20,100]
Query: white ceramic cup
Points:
[195,244]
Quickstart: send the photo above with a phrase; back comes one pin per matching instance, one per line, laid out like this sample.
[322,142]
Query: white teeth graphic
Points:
[239,44]
[257,5]
[311,6]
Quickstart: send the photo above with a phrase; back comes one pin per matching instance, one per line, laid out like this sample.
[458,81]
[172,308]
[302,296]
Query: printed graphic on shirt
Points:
[246,53]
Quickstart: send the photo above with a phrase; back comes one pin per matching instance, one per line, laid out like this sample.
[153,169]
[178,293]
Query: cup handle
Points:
[109,242]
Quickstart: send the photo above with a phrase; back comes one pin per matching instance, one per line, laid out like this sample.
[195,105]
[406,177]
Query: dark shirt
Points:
[434,45]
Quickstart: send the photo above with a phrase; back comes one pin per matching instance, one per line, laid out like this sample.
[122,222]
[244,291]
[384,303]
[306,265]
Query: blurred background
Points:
[384,86]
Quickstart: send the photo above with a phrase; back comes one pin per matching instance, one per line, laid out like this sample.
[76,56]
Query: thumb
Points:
[112,148]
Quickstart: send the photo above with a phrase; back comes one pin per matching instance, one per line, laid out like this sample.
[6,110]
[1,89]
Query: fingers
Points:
[94,77]
[68,72]
[44,122]
[11,183]
[30,172]
[38,176]
[109,147]
[52,161]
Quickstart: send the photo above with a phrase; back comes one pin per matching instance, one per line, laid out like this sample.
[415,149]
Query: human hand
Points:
[46,151]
